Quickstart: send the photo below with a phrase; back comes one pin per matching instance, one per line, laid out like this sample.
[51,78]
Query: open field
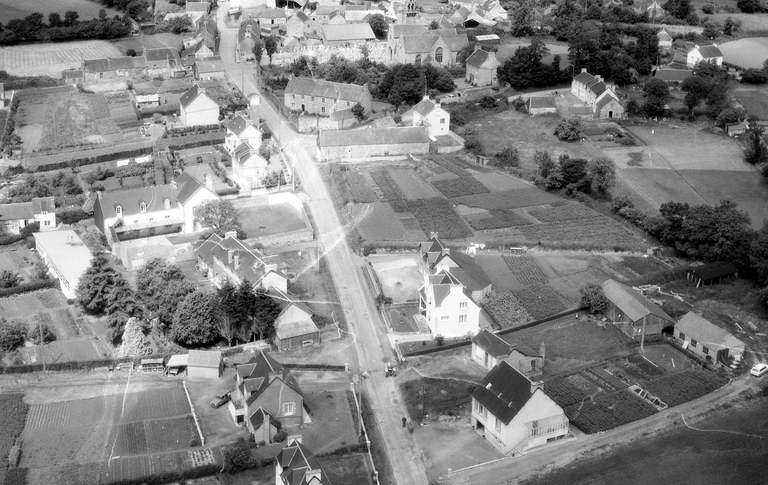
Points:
[47,59]
[749,22]
[754,100]
[378,222]
[260,219]
[86,9]
[399,276]
[748,52]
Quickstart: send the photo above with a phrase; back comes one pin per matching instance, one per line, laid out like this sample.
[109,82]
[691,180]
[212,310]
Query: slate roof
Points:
[508,392]
[204,358]
[259,417]
[597,87]
[605,100]
[197,7]
[210,65]
[129,199]
[706,332]
[192,93]
[478,58]
[542,102]
[271,13]
[425,106]
[709,51]
[584,78]
[421,44]
[678,75]
[237,125]
[189,185]
[296,460]
[17,211]
[400,30]
[267,370]
[631,303]
[469,273]
[347,32]
[251,261]
[113,64]
[712,270]
[286,300]
[326,89]
[385,136]
[159,54]
[663,35]
[298,328]
[580,110]
[492,343]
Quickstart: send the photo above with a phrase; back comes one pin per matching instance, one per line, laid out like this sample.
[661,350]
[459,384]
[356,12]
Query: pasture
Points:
[260,219]
[754,100]
[748,52]
[51,59]
[86,9]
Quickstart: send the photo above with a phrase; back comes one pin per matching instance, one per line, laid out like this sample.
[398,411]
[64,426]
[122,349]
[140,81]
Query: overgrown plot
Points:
[359,189]
[540,300]
[497,219]
[460,187]
[525,269]
[563,213]
[685,386]
[608,411]
[507,311]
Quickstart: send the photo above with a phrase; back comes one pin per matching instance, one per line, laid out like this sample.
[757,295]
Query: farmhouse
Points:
[198,109]
[372,143]
[294,327]
[708,341]
[596,94]
[541,105]
[15,217]
[447,307]
[711,273]
[707,53]
[488,349]
[266,387]
[346,35]
[430,114]
[513,413]
[96,69]
[436,258]
[208,364]
[320,97]
[230,259]
[632,312]
[66,257]
[296,465]
[147,211]
[481,68]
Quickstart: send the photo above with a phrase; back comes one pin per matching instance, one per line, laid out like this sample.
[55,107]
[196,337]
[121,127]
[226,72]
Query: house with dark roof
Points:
[673,75]
[436,47]
[205,42]
[321,97]
[15,217]
[230,259]
[707,341]
[711,273]
[247,36]
[296,465]
[210,68]
[242,130]
[114,67]
[163,61]
[197,108]
[148,211]
[514,414]
[294,327]
[249,168]
[345,35]
[265,390]
[489,349]
[707,53]
[366,142]
[436,258]
[597,94]
[481,68]
[541,105]
[665,40]
[430,114]
[633,313]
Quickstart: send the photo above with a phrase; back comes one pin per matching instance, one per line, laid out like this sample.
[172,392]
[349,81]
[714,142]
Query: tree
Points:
[182,23]
[749,6]
[487,102]
[102,14]
[218,217]
[259,308]
[258,51]
[271,44]
[729,26]
[273,179]
[12,334]
[754,76]
[438,78]
[434,25]
[756,153]
[402,83]
[507,157]
[522,22]
[569,130]
[237,457]
[525,68]
[134,339]
[94,287]
[196,318]
[70,17]
[603,174]
[378,25]
[543,161]
[759,255]
[680,9]
[359,111]
[592,297]
[129,53]
[54,19]
[656,93]
[696,89]
[40,330]
[9,279]
[160,288]
[730,115]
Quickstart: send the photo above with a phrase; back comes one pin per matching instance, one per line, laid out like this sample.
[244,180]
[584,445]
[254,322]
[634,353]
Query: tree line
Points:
[33,27]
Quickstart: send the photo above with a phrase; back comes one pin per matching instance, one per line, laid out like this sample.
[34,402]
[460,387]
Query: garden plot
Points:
[601,232]
[43,59]
[70,122]
[359,188]
[388,191]
[399,276]
[378,222]
[437,215]
[508,199]
[499,182]
[411,184]
[507,311]
[563,213]
[133,468]
[525,269]
[260,219]
[539,300]
[461,186]
[481,219]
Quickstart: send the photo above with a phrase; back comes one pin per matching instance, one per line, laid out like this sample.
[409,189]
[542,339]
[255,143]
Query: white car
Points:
[759,370]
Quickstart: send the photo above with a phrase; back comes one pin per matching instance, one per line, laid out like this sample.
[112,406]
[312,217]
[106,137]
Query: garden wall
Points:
[377,52]
[309,123]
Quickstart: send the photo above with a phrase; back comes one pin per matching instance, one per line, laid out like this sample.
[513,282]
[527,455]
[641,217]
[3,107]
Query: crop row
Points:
[437,215]
[388,187]
[563,392]
[499,218]
[608,411]
[685,386]
[525,269]
[460,187]
[540,300]
[451,166]
[602,232]
[563,213]
[507,311]
[359,189]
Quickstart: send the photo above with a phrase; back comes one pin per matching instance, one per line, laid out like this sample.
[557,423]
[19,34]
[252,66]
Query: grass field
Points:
[260,219]
[45,59]
[378,222]
[353,469]
[749,52]
[754,100]
[86,9]
[399,276]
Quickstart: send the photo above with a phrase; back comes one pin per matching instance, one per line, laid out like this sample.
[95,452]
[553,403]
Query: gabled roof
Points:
[191,95]
[286,300]
[17,211]
[347,32]
[400,30]
[189,186]
[709,51]
[478,58]
[204,358]
[584,78]
[159,54]
[296,460]
[238,125]
[663,36]
[197,7]
[492,343]
[631,303]
[43,204]
[259,417]
[385,136]
[270,13]
[326,89]
[706,332]
[542,102]
[605,99]
[129,200]
[469,273]
[673,74]
[425,106]
[210,65]
[597,87]
[298,328]
[250,261]
[503,392]
[712,270]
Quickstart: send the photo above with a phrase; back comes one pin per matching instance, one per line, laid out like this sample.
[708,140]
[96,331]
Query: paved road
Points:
[363,320]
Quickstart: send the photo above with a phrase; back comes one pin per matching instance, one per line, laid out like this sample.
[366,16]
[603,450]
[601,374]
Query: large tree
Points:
[12,334]
[757,153]
[271,44]
[160,288]
[218,216]
[379,25]
[196,318]
[525,68]
[259,308]
[603,174]
[656,93]
[403,83]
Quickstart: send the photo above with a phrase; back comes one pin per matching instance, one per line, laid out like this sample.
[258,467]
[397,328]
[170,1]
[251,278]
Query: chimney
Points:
[433,235]
[477,48]
[70,239]
[536,385]
[232,234]
[98,194]
[230,255]
[294,438]
[543,351]
[237,261]
[583,69]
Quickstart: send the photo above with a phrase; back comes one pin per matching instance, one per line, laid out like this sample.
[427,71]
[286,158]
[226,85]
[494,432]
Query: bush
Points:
[691,118]
[708,8]
[9,279]
[519,104]
[280,436]
[569,130]
[34,333]
[754,76]
[439,340]
[12,334]
[507,157]
[71,216]
[7,239]
[487,102]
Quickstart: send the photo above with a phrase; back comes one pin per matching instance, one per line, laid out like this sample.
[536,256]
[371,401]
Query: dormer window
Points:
[166,203]
[142,206]
[118,211]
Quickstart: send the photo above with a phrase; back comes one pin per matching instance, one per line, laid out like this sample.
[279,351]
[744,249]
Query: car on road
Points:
[220,400]
[759,370]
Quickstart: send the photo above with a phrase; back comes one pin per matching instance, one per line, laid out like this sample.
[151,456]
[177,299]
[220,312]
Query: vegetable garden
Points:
[507,311]
[525,269]
[497,219]
[359,189]
[608,411]
[508,199]
[460,186]
[563,213]
[685,386]
[539,300]
[390,192]
[437,215]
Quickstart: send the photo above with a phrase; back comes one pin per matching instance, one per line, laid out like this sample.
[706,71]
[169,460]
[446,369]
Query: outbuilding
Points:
[541,105]
[708,341]
[205,363]
[632,312]
[711,273]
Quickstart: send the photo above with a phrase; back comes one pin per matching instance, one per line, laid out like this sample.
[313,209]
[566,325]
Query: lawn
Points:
[352,469]
[86,9]
[359,188]
[332,426]
[378,222]
[754,100]
[260,219]
[402,318]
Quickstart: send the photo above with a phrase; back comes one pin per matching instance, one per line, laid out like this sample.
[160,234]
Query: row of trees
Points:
[34,28]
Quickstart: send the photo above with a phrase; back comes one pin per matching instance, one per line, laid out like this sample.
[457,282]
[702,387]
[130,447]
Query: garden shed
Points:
[711,273]
[632,312]
[177,364]
[205,363]
[152,365]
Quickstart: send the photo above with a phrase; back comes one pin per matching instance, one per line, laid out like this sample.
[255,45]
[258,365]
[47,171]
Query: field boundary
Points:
[194,415]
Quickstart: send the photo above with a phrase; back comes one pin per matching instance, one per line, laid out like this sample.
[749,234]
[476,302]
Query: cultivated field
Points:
[749,52]
[86,9]
[51,59]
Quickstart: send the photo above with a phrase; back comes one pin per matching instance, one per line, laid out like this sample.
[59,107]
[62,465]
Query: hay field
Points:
[52,59]
[17,9]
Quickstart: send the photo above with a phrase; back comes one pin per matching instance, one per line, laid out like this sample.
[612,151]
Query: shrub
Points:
[592,297]
[238,457]
[487,102]
[569,130]
[507,157]
[280,436]
[9,279]
[691,118]
[41,329]
[519,104]
[26,287]
[439,340]
[754,76]
[12,334]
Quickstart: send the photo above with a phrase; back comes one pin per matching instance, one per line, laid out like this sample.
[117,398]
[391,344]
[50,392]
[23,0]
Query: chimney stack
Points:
[232,234]
[230,255]
[237,261]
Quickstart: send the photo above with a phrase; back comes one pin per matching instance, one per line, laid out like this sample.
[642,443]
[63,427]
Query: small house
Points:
[541,105]
[665,40]
[711,273]
[152,365]
[17,216]
[345,35]
[489,349]
[482,67]
[177,364]
[737,128]
[708,341]
[294,327]
[210,68]
[448,307]
[707,53]
[207,364]
[147,100]
[633,313]
[430,114]
[197,108]
[65,256]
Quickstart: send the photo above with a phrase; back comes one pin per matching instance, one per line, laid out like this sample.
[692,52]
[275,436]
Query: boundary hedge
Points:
[27,287]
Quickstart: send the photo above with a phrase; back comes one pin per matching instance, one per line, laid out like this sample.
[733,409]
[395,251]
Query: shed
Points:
[711,273]
[708,341]
[151,365]
[177,363]
[539,105]
[294,335]
[632,312]
[205,363]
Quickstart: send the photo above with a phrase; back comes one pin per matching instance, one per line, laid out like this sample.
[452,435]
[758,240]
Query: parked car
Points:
[220,401]
[759,370]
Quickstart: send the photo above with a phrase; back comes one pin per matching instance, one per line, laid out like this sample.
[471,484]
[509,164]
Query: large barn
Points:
[631,312]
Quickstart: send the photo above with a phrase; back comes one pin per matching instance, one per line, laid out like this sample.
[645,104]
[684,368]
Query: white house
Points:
[488,349]
[708,53]
[447,307]
[514,414]
[705,339]
[430,114]
[598,95]
[15,217]
[241,130]
[197,108]
[436,258]
[66,257]
[482,67]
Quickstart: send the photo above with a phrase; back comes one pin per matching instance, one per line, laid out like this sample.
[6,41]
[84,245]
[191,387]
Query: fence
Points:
[364,433]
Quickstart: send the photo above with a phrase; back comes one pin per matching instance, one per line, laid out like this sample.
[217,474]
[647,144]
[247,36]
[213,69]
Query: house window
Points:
[462,319]
[167,217]
[463,304]
[444,317]
[439,55]
[349,104]
[151,219]
[293,105]
[704,349]
[118,210]
[480,409]
[313,98]
[533,365]
[498,425]
[47,223]
[293,96]
[322,110]
[693,343]
[289,408]
[143,207]
[442,121]
[682,336]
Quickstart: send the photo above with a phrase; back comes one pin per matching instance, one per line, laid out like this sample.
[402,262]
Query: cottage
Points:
[655,11]
[15,217]
[482,67]
[198,109]
[708,341]
[97,69]
[197,10]
[74,76]
[294,327]
[321,97]
[607,105]
[65,256]
[430,114]
[673,75]
[323,13]
[296,465]
[372,143]
[270,16]
[489,349]
[711,273]
[665,40]
[633,313]
[599,96]
[207,364]
[541,105]
[346,35]
[736,128]
[706,53]
[514,414]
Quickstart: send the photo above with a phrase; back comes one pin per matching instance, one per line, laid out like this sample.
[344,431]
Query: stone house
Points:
[15,217]
[114,67]
[372,143]
[247,36]
[164,62]
[430,114]
[599,96]
[541,105]
[345,35]
[482,68]
[665,40]
[321,97]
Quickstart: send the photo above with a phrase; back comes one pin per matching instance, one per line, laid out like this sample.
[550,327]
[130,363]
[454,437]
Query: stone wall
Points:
[309,123]
[363,151]
[377,52]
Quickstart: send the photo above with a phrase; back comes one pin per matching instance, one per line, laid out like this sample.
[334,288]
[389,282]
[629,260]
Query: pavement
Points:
[373,349]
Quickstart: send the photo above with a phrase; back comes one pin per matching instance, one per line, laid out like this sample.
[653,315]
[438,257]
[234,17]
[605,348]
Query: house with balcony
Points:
[514,414]
[489,349]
